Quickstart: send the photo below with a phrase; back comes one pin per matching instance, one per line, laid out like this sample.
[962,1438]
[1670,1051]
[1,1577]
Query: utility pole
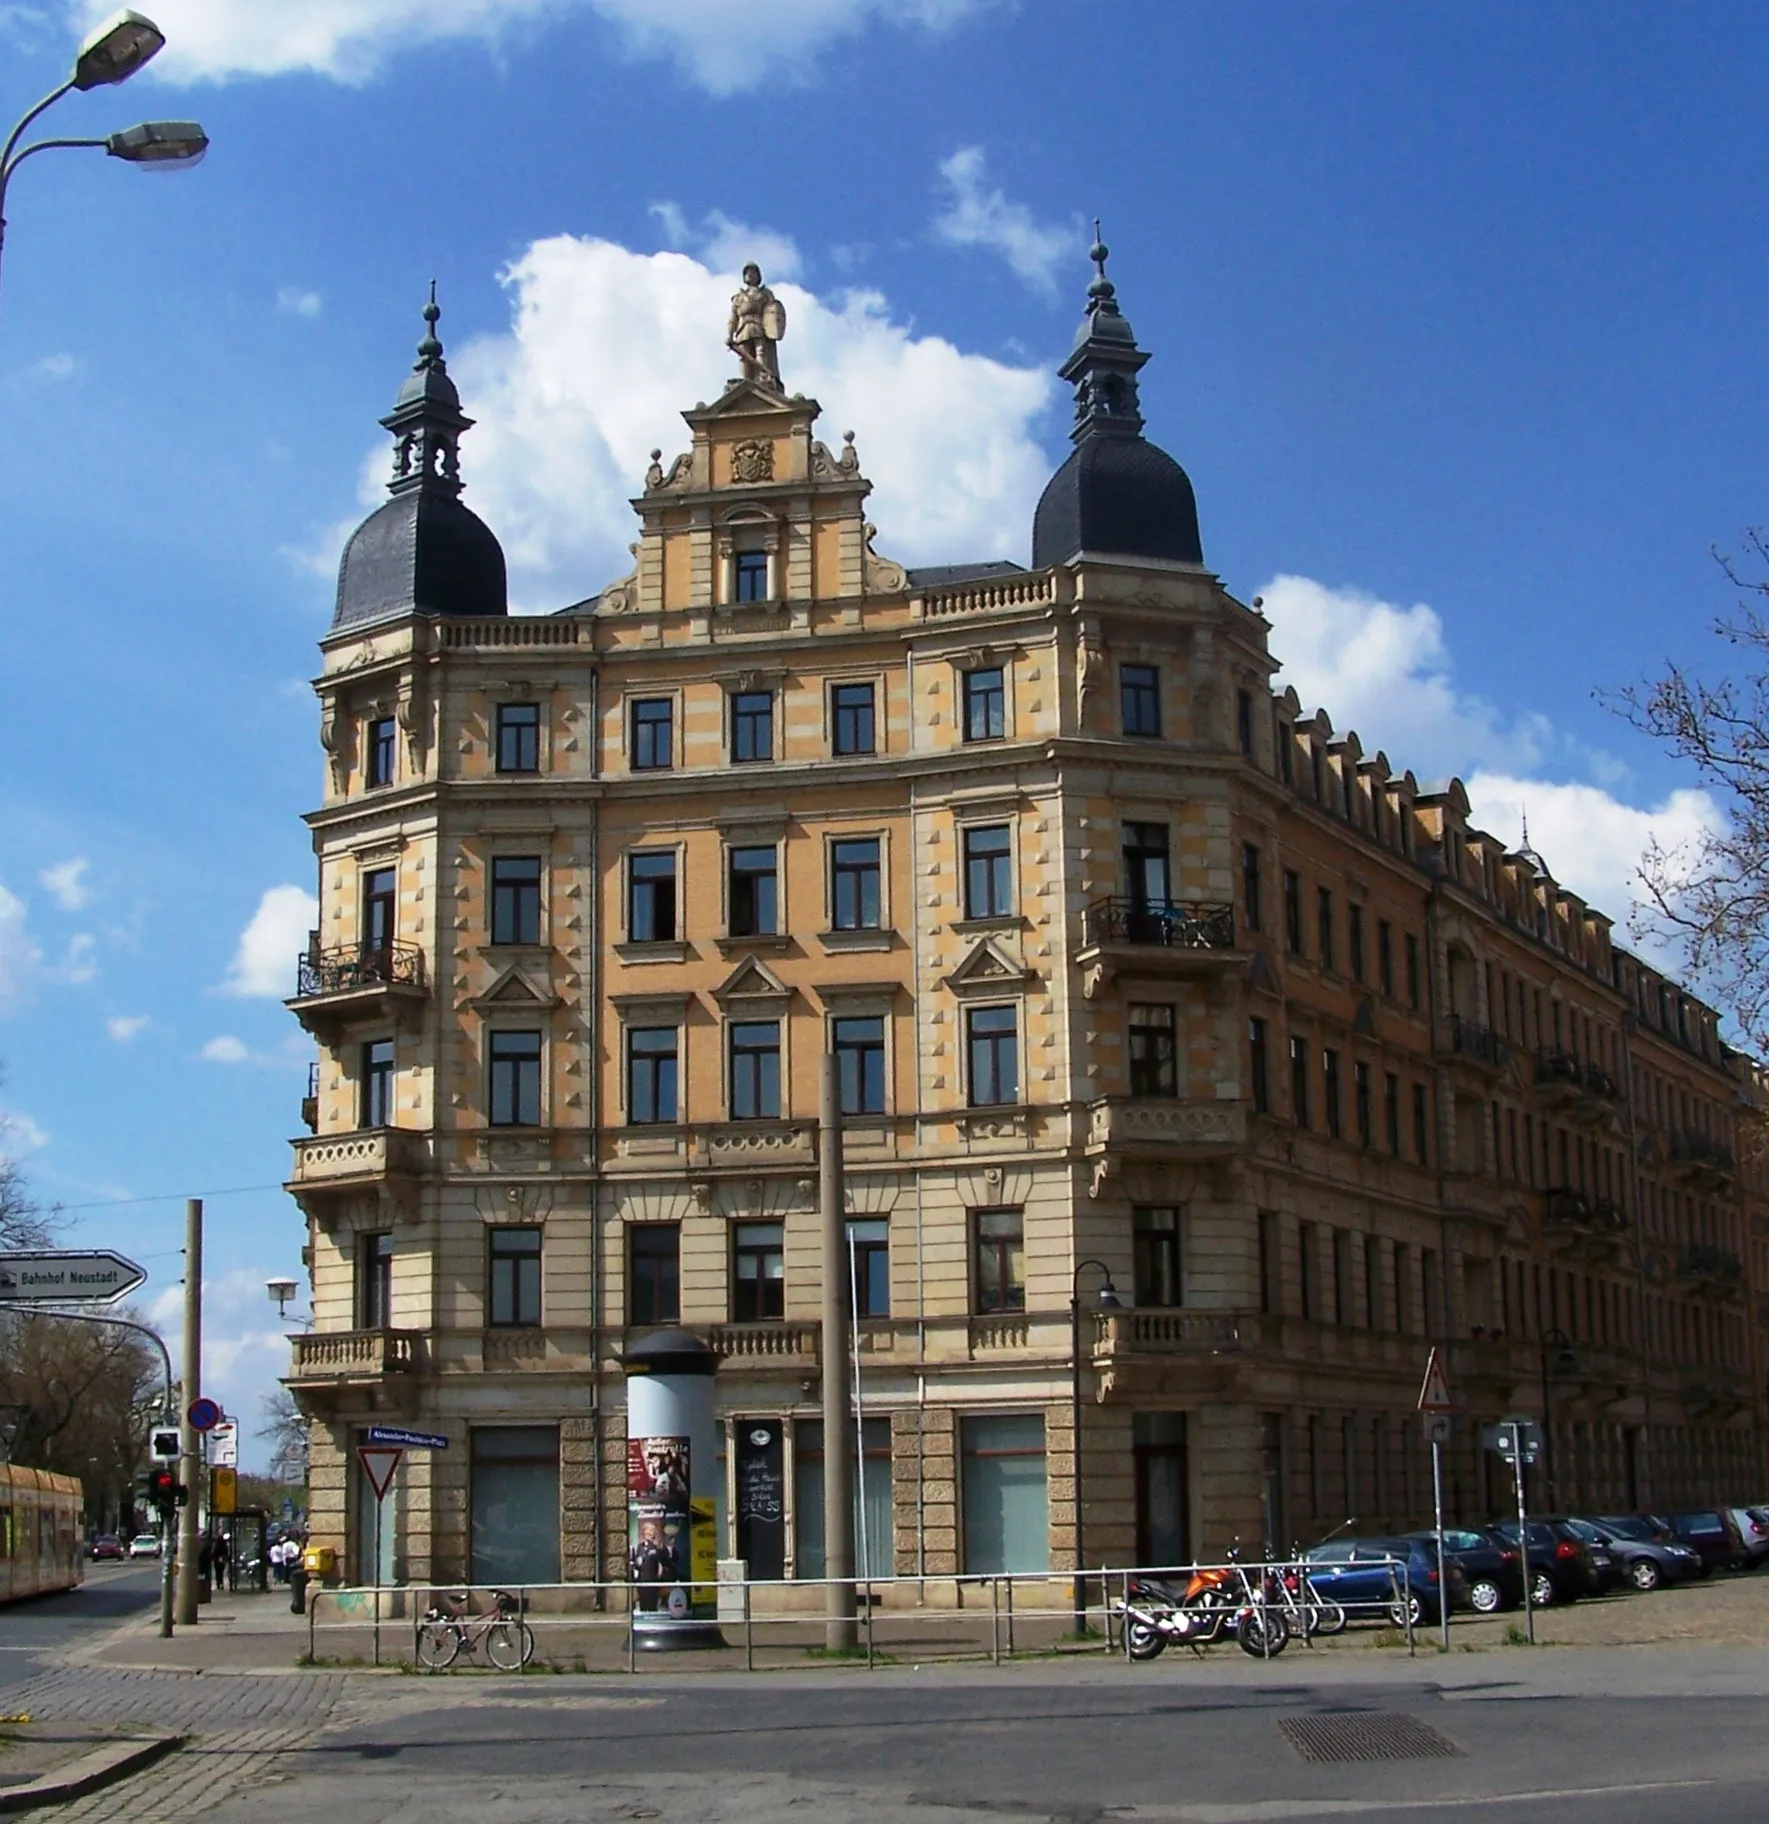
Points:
[838,1482]
[190,1443]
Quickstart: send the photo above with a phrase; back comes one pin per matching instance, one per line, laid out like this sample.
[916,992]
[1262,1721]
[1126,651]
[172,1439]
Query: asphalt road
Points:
[40,1630]
[1059,1743]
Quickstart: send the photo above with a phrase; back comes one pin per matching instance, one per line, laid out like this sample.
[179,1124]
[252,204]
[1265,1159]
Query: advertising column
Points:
[672,1499]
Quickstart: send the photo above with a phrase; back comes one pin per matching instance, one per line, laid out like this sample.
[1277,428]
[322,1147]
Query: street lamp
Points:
[1565,1362]
[112,53]
[1108,1301]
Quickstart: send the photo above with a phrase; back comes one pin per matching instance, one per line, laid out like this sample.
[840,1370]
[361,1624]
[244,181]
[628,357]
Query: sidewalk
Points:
[241,1631]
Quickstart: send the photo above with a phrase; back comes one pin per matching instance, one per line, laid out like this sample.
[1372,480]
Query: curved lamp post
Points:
[1108,1301]
[112,53]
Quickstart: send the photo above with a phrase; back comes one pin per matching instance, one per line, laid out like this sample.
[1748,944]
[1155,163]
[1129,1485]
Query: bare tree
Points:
[22,1223]
[286,1431]
[1710,896]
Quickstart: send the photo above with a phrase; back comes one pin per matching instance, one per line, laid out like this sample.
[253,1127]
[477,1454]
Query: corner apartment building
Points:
[1134,971]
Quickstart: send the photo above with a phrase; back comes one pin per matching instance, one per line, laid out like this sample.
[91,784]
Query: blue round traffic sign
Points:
[204,1414]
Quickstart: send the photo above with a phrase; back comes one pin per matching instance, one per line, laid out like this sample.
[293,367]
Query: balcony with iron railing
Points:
[1475,1044]
[1154,937]
[352,981]
[1714,1272]
[1582,1089]
[1701,1159]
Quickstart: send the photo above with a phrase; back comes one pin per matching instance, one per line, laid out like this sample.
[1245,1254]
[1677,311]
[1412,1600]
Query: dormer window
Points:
[749,581]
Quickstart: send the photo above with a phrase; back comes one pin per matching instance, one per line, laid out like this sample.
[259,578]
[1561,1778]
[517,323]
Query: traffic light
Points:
[165,1490]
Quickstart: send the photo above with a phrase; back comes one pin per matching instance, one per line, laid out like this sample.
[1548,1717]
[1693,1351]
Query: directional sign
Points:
[204,1414]
[1434,1396]
[378,1465]
[406,1440]
[1437,1428]
[56,1276]
[224,1445]
[1508,1434]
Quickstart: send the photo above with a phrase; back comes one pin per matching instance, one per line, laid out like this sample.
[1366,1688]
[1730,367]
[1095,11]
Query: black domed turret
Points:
[1117,495]
[423,552]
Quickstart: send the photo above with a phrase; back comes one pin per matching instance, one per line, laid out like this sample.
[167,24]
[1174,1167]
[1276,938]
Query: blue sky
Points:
[1456,319]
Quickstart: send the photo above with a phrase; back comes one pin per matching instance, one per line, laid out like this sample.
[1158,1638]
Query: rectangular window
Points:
[1412,970]
[651,896]
[1286,744]
[383,755]
[1299,1081]
[1354,940]
[1293,911]
[758,1279]
[1269,1235]
[1421,1126]
[1360,1096]
[377,1084]
[1148,881]
[519,737]
[752,576]
[1244,721]
[851,707]
[1385,957]
[1258,1067]
[753,888]
[988,871]
[379,911]
[1000,1259]
[1250,894]
[1155,1232]
[654,1272]
[869,1268]
[651,1074]
[1372,1282]
[515,1297]
[1139,697]
[859,1042]
[994,1055]
[1154,1057]
[752,725]
[854,881]
[985,704]
[374,1282]
[1330,1089]
[1309,1262]
[1341,1240]
[653,735]
[1006,1502]
[1323,919]
[515,1071]
[513,1532]
[755,1070]
[1391,1110]
[515,899]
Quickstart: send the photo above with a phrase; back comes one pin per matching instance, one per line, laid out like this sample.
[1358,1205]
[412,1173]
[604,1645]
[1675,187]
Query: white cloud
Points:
[19,956]
[80,965]
[66,884]
[245,1346]
[19,1134]
[264,963]
[609,346]
[52,369]
[292,301]
[124,1026]
[226,1049]
[978,214]
[723,45]
[727,245]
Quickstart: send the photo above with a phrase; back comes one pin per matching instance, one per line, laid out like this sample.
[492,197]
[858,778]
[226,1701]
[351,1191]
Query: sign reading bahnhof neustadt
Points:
[59,1277]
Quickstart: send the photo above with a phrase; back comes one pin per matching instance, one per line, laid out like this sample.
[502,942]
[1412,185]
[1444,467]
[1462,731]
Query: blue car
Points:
[1374,1578]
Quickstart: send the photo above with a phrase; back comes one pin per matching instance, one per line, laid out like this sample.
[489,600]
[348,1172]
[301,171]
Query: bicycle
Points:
[447,1629]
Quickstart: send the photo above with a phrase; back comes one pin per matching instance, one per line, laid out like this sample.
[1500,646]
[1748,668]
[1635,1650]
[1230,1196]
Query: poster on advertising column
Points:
[660,1529]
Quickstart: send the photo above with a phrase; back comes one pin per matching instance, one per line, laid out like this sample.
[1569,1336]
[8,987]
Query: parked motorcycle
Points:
[1214,1601]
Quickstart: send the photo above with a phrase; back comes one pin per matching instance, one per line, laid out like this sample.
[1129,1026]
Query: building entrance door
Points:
[1163,1539]
[761,1498]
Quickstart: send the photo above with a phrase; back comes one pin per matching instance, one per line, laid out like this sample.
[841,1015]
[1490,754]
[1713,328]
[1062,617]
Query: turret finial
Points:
[1102,290]
[430,349]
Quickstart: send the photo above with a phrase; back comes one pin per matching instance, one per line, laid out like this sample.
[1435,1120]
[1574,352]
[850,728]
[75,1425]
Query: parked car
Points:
[1714,1534]
[1647,1561]
[145,1545]
[1561,1568]
[107,1545]
[1753,1533]
[1494,1572]
[1375,1578]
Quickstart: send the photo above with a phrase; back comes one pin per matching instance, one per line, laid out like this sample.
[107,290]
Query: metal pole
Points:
[380,1503]
[190,1444]
[1443,1588]
[1080,1594]
[1529,1613]
[863,1554]
[840,1635]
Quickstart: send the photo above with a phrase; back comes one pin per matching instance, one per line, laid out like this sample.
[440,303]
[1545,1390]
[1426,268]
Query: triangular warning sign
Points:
[1434,1396]
[378,1464]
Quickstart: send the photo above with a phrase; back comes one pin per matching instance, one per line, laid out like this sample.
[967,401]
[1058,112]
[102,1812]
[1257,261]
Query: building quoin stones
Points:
[1136,970]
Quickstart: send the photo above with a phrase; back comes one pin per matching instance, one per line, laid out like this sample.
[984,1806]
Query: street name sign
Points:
[406,1440]
[378,1464]
[55,1276]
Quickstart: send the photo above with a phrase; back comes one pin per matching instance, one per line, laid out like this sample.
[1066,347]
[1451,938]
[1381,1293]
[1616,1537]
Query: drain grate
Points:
[1365,1735]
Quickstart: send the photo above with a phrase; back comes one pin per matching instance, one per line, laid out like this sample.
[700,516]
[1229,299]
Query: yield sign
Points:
[378,1464]
[1434,1396]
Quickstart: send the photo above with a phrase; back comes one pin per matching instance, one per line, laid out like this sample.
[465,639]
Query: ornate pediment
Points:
[750,399]
[514,992]
[751,983]
[988,969]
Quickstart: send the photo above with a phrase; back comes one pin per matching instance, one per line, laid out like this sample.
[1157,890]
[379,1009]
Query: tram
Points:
[39,1532]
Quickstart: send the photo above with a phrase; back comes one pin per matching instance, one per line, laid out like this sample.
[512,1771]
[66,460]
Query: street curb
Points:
[88,1773]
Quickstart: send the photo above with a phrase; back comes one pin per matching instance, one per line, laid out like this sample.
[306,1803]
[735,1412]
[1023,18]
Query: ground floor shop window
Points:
[1006,1508]
[872,1500]
[514,1521]
[1162,1537]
